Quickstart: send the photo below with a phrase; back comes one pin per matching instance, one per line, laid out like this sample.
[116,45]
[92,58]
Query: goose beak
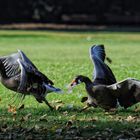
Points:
[72,85]
[50,88]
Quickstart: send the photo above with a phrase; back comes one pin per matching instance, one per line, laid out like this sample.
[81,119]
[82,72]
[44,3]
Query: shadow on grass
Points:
[41,123]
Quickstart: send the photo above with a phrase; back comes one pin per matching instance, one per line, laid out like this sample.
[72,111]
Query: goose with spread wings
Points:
[19,74]
[102,75]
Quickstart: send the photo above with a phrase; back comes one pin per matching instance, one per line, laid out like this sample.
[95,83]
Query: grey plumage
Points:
[19,74]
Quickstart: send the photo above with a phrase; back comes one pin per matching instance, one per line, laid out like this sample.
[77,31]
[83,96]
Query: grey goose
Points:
[19,74]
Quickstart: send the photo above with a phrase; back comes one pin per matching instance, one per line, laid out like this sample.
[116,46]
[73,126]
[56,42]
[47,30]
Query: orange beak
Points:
[71,85]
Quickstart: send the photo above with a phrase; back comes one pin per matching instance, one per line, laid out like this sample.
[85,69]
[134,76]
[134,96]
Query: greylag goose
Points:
[127,92]
[19,74]
[102,75]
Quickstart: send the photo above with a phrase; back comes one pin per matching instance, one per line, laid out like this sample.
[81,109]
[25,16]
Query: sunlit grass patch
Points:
[62,56]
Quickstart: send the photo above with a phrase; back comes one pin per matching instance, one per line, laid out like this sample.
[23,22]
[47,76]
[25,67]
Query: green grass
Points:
[61,56]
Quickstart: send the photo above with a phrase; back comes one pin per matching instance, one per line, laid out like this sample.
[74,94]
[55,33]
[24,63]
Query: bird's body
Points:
[102,75]
[19,74]
[127,92]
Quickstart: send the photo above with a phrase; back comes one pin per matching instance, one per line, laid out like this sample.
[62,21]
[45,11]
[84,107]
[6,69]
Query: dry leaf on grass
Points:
[43,118]
[65,113]
[130,118]
[26,118]
[58,106]
[12,109]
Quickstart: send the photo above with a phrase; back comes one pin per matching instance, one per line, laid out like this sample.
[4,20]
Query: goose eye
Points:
[79,81]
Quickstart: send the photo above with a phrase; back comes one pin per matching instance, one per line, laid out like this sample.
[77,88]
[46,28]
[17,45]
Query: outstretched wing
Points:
[102,73]
[26,60]
[32,69]
[9,66]
[23,77]
[33,73]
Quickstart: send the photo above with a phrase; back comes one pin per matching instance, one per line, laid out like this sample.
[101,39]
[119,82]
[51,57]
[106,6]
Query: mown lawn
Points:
[62,56]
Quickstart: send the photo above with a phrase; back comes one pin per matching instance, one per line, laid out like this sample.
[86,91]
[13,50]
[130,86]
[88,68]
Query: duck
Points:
[102,75]
[19,74]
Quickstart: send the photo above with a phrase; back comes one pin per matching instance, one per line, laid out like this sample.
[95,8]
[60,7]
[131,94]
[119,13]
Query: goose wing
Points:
[33,73]
[9,66]
[27,61]
[32,69]
[23,77]
[102,73]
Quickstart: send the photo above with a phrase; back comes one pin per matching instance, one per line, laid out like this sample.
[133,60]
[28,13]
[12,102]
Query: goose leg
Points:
[84,108]
[47,103]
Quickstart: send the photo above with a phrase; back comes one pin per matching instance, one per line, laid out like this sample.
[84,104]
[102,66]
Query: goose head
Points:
[78,80]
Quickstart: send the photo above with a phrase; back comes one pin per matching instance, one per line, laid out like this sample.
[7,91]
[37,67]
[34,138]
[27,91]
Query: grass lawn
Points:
[62,56]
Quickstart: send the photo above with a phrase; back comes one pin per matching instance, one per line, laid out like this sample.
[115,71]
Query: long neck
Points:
[87,81]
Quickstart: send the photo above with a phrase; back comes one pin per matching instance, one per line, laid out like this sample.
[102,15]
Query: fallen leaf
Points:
[58,106]
[130,118]
[37,127]
[65,113]
[12,109]
[26,118]
[43,118]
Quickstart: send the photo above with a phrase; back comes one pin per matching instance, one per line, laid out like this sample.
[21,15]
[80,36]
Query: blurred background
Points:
[88,12]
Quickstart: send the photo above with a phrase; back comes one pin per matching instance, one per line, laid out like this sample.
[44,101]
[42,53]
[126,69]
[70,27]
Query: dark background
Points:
[110,12]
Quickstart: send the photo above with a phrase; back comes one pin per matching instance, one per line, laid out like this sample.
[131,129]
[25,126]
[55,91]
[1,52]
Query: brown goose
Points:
[102,75]
[19,74]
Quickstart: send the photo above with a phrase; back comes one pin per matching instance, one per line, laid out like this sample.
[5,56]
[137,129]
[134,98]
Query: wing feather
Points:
[9,65]
[23,76]
[26,60]
[102,73]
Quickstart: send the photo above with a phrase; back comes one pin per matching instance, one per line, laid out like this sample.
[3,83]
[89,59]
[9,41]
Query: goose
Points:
[127,92]
[102,75]
[19,74]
